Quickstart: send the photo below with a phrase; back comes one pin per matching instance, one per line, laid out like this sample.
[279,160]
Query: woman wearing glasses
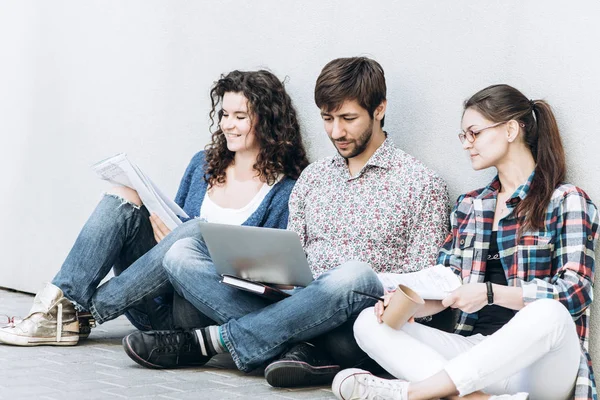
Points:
[524,248]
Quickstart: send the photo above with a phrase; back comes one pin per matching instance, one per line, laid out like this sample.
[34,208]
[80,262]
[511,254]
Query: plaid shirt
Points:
[554,263]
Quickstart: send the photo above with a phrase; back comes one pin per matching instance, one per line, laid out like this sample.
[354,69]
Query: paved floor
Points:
[99,369]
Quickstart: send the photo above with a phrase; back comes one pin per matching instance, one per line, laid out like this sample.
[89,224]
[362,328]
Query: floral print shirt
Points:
[393,214]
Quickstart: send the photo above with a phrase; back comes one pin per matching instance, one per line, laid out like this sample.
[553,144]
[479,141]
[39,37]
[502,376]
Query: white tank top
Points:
[212,212]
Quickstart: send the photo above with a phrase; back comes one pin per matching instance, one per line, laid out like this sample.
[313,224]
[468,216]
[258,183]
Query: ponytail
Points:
[549,155]
[500,103]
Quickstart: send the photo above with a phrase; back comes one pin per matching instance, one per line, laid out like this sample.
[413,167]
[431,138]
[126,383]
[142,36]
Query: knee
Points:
[187,254]
[174,259]
[355,275]
[364,325]
[547,313]
[125,193]
[369,333]
[188,229]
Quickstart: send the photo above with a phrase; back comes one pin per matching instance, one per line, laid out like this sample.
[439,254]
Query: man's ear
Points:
[379,112]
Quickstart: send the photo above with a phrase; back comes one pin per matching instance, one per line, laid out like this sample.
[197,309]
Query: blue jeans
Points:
[119,235]
[254,329]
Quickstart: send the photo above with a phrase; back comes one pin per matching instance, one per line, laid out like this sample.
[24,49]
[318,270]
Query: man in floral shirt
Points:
[369,209]
[370,202]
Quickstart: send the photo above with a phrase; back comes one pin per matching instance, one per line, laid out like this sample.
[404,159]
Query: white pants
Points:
[537,351]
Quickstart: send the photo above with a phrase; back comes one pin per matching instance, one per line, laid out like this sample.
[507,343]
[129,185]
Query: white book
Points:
[433,283]
[120,170]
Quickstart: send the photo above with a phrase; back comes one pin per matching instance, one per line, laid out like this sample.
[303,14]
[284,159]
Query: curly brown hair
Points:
[275,125]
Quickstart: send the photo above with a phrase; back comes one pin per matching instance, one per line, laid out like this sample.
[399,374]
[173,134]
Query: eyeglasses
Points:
[471,135]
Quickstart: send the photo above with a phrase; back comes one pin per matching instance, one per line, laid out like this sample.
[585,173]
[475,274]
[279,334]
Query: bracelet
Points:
[490,293]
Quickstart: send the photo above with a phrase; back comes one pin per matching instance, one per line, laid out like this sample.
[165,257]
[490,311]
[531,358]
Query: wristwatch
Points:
[490,293]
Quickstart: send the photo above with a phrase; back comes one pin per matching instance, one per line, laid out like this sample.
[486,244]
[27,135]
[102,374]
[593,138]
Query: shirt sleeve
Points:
[450,254]
[429,226]
[573,258]
[297,216]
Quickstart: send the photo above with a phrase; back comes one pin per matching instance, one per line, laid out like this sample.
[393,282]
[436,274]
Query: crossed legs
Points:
[538,352]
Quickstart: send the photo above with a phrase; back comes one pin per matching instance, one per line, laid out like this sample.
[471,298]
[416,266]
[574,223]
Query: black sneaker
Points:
[86,323]
[164,349]
[302,365]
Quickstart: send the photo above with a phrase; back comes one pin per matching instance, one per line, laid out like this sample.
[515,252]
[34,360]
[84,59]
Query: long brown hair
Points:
[500,103]
[274,122]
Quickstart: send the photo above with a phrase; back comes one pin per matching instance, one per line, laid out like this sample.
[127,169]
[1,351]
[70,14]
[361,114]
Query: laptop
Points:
[257,254]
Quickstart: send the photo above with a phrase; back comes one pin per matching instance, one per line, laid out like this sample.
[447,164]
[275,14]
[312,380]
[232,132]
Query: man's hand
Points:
[381,305]
[159,228]
[470,297]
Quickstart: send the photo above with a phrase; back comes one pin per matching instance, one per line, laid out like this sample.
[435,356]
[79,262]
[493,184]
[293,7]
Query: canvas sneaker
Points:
[52,321]
[355,384]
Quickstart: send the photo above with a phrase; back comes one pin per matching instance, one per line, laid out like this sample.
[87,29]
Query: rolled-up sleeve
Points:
[573,259]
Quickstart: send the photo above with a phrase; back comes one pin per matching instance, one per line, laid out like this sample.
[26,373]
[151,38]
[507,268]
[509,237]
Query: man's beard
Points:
[360,144]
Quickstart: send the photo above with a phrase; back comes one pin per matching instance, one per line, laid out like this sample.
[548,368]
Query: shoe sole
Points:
[297,373]
[27,341]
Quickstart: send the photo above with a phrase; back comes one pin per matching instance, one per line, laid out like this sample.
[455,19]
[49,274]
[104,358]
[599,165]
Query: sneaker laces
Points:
[374,388]
[9,322]
[59,322]
[174,341]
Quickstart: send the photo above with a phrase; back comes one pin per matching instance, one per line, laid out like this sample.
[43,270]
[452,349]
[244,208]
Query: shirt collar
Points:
[381,158]
[492,189]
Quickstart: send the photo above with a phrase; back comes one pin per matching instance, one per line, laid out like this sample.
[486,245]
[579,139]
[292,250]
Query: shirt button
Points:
[590,238]
[462,241]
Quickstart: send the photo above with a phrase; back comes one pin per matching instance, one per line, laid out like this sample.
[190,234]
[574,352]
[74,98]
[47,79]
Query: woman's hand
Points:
[470,297]
[159,228]
[381,305]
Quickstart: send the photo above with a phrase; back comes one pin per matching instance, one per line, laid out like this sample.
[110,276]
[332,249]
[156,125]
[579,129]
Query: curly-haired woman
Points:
[244,177]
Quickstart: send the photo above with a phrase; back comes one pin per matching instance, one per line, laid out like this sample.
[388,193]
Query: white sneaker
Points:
[518,396]
[52,320]
[354,384]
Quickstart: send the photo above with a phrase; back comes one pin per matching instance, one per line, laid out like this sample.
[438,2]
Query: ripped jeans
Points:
[119,235]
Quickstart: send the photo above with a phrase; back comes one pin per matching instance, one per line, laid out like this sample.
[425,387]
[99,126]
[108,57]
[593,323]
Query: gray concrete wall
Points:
[83,80]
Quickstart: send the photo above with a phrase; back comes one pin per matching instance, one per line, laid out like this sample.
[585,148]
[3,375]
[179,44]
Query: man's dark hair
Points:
[354,78]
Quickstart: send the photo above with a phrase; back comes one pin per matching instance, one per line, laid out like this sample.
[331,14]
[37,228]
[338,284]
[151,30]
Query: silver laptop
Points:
[257,254]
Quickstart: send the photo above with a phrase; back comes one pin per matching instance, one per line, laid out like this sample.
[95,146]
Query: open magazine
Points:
[121,171]
[433,283]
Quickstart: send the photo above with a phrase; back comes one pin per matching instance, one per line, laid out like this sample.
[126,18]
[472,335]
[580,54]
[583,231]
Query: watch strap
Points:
[490,293]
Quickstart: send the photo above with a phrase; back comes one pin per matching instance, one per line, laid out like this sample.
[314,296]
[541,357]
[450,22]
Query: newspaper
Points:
[434,283]
[120,170]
